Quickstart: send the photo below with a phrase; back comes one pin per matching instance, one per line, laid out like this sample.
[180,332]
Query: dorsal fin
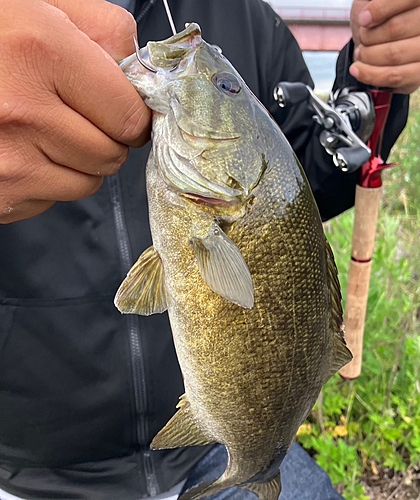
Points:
[341,354]
[336,309]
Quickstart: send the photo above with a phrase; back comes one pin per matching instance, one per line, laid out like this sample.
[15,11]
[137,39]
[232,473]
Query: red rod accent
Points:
[362,261]
[370,175]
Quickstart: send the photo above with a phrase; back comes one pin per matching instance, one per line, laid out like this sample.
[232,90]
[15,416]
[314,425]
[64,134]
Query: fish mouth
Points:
[143,58]
[168,54]
[125,63]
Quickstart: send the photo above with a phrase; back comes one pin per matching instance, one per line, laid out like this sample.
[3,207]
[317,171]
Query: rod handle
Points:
[365,221]
[355,315]
[367,203]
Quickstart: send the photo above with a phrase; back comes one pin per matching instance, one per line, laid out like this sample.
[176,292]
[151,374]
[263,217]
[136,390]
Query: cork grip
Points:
[365,221]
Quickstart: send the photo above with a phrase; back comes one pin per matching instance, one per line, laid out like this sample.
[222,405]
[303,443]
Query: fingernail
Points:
[356,53]
[365,18]
[354,71]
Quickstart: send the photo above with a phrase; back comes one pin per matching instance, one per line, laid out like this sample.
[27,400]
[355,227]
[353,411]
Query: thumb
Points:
[109,25]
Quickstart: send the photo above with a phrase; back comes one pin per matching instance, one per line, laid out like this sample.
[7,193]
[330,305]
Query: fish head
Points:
[207,130]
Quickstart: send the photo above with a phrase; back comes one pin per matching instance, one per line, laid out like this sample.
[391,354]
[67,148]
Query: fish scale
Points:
[248,278]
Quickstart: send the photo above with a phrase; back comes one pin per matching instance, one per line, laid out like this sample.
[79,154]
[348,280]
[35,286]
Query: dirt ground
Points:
[388,485]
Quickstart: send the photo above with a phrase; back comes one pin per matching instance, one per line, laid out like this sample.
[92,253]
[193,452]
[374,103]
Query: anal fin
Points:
[143,290]
[181,430]
[265,491]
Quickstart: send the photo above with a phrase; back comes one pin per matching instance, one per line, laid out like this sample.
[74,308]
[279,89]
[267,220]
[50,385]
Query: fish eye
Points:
[226,82]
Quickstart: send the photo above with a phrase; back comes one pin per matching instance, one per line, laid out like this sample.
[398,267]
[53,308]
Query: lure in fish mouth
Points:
[173,52]
[166,55]
[239,260]
[197,116]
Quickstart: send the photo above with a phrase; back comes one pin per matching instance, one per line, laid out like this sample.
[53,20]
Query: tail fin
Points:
[196,492]
[264,491]
[208,488]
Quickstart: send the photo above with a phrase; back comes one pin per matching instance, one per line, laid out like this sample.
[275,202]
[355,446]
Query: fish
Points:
[239,260]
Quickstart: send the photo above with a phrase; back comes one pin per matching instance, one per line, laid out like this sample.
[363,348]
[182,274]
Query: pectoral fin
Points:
[143,290]
[265,491]
[181,430]
[223,267]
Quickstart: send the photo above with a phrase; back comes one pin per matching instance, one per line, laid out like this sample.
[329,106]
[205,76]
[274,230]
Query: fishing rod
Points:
[170,18]
[349,120]
[367,204]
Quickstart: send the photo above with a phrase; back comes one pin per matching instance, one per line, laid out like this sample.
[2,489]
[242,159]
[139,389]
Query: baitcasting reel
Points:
[347,121]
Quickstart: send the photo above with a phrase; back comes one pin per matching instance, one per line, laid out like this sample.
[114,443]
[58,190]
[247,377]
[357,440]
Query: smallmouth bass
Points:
[239,260]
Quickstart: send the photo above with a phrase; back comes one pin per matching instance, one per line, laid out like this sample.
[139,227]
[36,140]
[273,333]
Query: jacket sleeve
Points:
[333,189]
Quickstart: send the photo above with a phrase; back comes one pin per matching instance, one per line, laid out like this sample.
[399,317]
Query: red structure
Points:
[318,28]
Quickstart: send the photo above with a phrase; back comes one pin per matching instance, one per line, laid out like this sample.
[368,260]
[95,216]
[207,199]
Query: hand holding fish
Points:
[67,112]
[387,43]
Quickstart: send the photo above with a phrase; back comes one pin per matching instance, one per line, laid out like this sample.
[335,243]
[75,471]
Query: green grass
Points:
[373,423]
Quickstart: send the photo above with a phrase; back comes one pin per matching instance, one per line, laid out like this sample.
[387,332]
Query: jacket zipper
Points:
[137,363]
[141,10]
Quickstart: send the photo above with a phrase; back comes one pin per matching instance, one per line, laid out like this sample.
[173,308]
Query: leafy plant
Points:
[373,423]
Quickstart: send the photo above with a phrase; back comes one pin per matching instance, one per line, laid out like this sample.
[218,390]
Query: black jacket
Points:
[83,389]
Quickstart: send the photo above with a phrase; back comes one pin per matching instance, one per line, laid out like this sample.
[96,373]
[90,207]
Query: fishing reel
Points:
[347,121]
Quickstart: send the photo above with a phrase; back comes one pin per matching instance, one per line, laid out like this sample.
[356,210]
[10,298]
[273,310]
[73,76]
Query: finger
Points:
[31,175]
[380,11]
[390,54]
[103,95]
[41,179]
[74,142]
[89,81]
[58,183]
[109,25]
[402,79]
[52,182]
[400,27]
